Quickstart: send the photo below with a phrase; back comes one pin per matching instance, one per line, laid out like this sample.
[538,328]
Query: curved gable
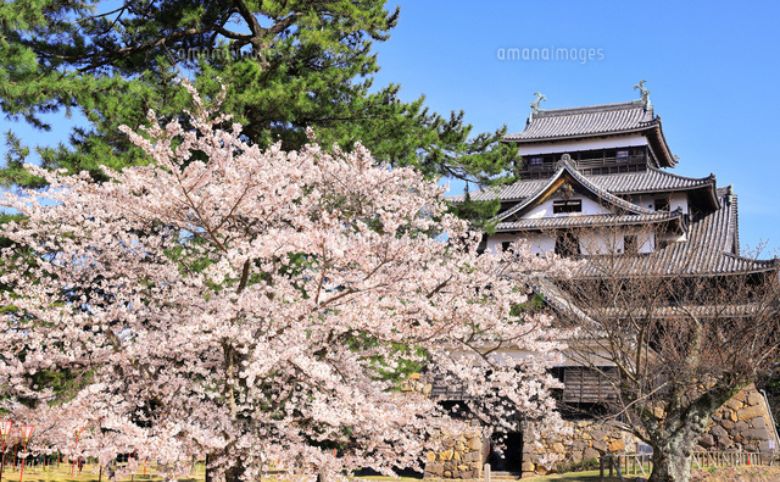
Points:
[568,175]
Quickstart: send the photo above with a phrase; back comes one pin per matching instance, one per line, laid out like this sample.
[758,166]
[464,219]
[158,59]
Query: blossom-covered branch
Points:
[261,307]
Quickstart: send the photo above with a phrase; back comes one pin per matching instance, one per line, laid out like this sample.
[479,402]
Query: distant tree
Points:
[677,346]
[260,306]
[288,65]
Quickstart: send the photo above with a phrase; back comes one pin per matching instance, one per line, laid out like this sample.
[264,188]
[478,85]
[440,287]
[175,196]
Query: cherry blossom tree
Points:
[260,307]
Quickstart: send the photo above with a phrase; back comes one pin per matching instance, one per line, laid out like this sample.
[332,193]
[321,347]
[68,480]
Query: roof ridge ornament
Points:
[535,105]
[644,93]
[565,160]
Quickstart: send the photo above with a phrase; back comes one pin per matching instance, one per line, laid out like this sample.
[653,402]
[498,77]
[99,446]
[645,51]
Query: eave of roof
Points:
[652,180]
[567,169]
[593,220]
[661,312]
[596,121]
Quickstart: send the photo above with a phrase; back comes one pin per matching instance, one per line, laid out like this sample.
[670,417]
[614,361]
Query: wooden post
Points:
[486,472]
[601,468]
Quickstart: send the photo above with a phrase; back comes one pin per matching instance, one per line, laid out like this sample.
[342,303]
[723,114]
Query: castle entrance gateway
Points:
[506,452]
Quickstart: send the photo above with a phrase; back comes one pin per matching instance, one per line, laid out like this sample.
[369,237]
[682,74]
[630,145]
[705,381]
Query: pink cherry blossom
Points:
[252,305]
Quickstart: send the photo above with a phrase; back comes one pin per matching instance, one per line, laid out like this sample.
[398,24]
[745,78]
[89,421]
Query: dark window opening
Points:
[535,161]
[567,244]
[510,458]
[567,206]
[505,245]
[630,245]
[662,204]
[621,154]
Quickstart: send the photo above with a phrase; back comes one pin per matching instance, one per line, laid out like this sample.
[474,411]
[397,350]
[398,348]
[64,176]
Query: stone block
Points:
[757,434]
[733,416]
[436,469]
[575,456]
[749,413]
[754,398]
[617,445]
[430,456]
[727,424]
[758,422]
[590,454]
[719,431]
[528,466]
[734,404]
[446,455]
[707,440]
[579,445]
[600,445]
[475,443]
[472,457]
[742,426]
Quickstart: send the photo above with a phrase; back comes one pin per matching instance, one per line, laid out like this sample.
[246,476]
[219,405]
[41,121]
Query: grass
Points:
[90,473]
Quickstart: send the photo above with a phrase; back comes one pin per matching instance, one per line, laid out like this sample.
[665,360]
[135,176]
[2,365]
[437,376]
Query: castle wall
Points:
[742,423]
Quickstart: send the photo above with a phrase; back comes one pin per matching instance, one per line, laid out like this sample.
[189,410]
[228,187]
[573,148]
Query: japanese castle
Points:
[605,166]
[596,181]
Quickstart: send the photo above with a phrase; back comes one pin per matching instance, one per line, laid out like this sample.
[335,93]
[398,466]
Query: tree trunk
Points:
[672,460]
[234,473]
[209,471]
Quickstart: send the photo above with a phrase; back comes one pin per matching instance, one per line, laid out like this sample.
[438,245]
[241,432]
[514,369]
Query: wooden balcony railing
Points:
[595,165]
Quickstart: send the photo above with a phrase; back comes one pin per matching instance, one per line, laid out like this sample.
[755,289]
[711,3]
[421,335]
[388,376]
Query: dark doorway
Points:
[512,458]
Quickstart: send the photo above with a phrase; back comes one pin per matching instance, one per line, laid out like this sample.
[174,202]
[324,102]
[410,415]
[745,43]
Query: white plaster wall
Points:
[539,243]
[594,242]
[645,200]
[678,199]
[646,241]
[545,209]
[606,241]
[583,145]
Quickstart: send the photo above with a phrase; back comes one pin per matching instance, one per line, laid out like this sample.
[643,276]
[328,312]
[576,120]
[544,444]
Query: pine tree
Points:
[286,65]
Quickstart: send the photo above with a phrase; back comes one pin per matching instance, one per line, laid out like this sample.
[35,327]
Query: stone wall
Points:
[586,441]
[462,458]
[742,423]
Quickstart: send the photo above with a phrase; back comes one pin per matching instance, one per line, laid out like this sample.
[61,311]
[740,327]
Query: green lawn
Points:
[90,474]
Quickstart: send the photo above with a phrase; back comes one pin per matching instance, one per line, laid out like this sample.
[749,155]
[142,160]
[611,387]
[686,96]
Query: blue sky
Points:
[712,69]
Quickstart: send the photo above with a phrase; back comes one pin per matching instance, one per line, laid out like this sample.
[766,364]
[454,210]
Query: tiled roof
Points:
[649,181]
[710,249]
[567,168]
[585,122]
[593,220]
[705,311]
